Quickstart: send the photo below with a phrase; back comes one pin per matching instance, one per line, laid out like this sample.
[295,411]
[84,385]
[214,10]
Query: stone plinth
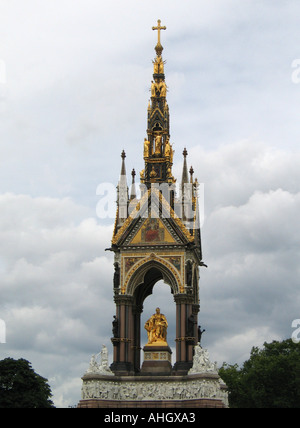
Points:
[157,360]
[194,391]
[162,404]
[155,386]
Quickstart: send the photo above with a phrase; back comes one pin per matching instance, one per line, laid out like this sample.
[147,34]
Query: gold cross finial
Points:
[159,28]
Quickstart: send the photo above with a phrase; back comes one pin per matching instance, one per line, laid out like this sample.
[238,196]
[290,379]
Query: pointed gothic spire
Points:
[133,189]
[123,169]
[191,174]
[185,190]
[185,177]
[123,190]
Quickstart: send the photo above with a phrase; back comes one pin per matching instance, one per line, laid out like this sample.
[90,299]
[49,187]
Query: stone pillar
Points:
[183,322]
[178,333]
[123,345]
[137,311]
[186,337]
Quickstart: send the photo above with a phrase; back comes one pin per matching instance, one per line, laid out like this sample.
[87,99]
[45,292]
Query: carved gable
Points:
[153,222]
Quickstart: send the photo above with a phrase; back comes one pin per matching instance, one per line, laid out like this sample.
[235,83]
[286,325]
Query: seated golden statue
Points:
[156,328]
[163,89]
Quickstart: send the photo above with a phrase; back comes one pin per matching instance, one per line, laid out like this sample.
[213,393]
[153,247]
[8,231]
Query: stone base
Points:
[163,404]
[194,391]
[157,360]
[182,368]
[122,369]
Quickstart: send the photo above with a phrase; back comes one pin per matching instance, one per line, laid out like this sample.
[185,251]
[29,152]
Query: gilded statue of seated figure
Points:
[156,328]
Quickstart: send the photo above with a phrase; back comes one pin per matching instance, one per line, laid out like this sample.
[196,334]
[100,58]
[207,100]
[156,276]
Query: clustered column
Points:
[124,337]
[186,332]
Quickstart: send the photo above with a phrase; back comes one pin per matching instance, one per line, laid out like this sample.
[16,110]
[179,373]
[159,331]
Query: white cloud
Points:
[268,222]
[54,279]
[242,344]
[251,245]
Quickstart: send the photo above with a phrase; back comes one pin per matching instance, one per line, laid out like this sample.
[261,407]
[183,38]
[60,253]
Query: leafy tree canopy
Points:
[269,379]
[21,387]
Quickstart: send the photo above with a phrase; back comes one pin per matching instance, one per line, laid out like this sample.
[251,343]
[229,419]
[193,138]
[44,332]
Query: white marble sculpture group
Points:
[103,367]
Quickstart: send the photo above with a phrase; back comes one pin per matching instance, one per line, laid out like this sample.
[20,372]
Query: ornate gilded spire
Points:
[158,63]
[158,151]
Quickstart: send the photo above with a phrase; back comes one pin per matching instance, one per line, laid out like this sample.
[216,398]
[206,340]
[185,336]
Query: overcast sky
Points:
[74,89]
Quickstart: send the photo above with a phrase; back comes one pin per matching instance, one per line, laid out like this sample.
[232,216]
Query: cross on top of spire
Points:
[159,47]
[159,28]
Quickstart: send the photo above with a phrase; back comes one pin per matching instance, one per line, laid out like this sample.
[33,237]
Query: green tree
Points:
[269,379]
[21,387]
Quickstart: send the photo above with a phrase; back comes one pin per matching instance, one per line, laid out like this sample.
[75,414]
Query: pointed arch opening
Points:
[161,297]
[141,283]
[153,273]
